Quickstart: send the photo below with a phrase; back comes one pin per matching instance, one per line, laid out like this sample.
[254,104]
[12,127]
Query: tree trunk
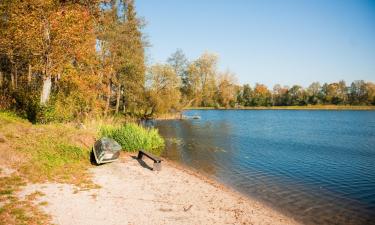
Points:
[47,79]
[15,77]
[118,97]
[12,80]
[123,104]
[1,79]
[29,75]
[46,90]
[108,98]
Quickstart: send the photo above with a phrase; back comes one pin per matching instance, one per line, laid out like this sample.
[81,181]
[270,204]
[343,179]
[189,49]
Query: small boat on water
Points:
[196,117]
[106,150]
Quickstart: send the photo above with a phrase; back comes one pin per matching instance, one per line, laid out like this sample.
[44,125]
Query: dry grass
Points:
[15,211]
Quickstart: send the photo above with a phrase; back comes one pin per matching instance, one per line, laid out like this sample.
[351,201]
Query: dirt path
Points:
[132,194]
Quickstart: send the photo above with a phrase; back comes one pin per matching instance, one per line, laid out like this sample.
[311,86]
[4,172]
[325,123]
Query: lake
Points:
[316,166]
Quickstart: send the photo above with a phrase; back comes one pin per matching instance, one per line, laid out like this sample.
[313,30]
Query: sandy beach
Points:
[131,193]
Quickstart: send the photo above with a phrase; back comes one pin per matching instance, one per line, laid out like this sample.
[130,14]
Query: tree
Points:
[296,96]
[164,94]
[342,94]
[40,42]
[261,96]
[122,50]
[279,95]
[135,67]
[313,92]
[246,95]
[227,89]
[370,89]
[180,64]
[357,92]
[202,79]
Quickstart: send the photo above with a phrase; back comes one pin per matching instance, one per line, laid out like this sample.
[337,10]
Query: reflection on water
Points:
[318,166]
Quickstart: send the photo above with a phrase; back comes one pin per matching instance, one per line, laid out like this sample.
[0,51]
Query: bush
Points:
[133,137]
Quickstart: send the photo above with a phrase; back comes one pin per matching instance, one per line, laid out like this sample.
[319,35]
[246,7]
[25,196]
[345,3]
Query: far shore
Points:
[177,116]
[131,193]
[308,107]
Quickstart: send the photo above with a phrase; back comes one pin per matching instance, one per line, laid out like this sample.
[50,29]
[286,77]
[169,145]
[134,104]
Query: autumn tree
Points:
[261,96]
[227,89]
[370,89]
[202,75]
[40,41]
[164,89]
[122,54]
[134,69]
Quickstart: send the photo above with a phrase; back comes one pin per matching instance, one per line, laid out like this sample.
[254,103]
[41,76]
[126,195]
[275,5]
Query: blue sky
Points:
[268,41]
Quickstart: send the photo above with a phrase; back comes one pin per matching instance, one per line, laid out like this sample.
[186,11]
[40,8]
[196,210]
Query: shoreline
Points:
[175,195]
[179,116]
[224,187]
[312,107]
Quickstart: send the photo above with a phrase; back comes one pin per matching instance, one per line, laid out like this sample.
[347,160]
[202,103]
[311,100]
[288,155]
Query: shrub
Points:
[133,137]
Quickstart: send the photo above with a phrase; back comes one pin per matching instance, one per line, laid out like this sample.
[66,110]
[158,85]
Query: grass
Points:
[133,137]
[47,152]
[9,117]
[39,153]
[307,107]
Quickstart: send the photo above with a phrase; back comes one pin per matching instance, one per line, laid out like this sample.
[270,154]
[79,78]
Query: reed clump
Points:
[133,137]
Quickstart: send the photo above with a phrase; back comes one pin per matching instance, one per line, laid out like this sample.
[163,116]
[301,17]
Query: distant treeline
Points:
[203,86]
[338,93]
[64,60]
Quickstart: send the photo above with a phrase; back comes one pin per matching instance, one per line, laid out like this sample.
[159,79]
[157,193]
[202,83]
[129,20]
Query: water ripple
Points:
[317,166]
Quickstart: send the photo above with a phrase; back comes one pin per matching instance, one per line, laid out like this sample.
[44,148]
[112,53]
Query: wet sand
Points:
[131,193]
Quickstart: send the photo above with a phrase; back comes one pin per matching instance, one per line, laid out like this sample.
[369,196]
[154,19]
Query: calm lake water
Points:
[316,166]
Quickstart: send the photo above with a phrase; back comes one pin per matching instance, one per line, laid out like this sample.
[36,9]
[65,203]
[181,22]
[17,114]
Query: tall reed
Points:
[133,137]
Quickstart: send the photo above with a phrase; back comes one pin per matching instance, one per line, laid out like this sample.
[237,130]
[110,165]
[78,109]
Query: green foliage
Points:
[133,137]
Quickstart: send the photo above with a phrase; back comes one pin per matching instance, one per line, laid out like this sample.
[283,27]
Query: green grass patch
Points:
[54,157]
[50,152]
[10,116]
[133,137]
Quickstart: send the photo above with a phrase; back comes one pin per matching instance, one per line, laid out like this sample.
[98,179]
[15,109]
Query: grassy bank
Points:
[308,107]
[45,152]
[39,153]
[54,153]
